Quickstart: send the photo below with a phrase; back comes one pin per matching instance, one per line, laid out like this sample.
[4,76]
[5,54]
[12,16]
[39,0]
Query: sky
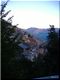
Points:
[39,14]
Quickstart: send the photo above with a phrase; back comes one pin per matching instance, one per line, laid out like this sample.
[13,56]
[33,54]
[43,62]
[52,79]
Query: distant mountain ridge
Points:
[40,34]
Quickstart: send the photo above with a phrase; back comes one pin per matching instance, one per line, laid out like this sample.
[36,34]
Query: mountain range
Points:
[40,34]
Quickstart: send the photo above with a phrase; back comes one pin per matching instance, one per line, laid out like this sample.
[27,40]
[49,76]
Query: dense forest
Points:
[14,65]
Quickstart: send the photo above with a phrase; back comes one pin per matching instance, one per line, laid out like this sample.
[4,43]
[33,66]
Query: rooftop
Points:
[24,45]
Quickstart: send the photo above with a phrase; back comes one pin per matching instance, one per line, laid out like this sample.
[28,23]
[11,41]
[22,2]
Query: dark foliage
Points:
[52,57]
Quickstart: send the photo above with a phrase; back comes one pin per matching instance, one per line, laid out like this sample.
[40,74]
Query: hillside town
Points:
[32,47]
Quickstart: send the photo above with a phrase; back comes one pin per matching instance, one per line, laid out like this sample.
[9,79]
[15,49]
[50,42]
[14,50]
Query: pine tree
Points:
[53,50]
[8,45]
[2,12]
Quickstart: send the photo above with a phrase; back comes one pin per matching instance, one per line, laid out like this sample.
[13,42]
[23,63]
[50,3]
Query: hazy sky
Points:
[34,13]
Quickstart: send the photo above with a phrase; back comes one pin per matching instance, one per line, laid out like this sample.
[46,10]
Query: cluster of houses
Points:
[32,47]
